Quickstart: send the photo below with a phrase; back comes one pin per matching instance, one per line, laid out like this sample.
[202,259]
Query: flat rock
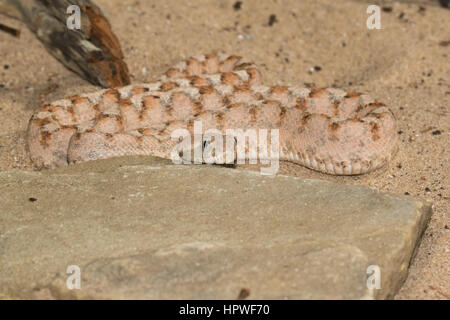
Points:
[142,228]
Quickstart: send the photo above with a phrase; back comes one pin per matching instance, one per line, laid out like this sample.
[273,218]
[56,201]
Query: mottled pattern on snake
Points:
[329,130]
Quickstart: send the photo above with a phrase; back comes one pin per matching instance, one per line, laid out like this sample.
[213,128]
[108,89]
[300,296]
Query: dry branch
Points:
[93,52]
[9,30]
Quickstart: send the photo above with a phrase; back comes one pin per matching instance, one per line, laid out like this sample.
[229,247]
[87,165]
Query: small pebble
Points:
[237,5]
[445,3]
[272,20]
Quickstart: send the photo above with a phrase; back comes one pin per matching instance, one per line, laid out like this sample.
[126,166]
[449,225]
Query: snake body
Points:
[328,130]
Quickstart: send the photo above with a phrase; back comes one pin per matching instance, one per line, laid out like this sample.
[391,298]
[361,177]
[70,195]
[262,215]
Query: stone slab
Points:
[142,228]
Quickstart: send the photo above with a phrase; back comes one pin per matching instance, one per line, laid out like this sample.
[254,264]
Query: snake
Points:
[330,130]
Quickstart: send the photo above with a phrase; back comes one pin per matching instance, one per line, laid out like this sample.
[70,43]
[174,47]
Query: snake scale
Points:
[328,130]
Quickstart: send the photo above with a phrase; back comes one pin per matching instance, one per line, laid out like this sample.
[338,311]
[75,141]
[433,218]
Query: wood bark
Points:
[93,51]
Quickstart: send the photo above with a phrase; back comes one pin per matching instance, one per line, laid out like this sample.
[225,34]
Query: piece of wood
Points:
[93,51]
[9,30]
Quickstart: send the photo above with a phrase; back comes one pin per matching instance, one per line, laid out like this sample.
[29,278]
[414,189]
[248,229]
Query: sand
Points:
[312,43]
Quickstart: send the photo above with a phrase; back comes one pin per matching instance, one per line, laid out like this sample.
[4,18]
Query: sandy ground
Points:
[317,42]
